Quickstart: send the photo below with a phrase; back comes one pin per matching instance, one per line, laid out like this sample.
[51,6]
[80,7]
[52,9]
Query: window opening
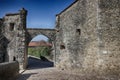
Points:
[62,46]
[12,26]
[14,58]
[78,31]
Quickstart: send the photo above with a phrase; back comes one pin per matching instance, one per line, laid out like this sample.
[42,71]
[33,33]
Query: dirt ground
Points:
[39,70]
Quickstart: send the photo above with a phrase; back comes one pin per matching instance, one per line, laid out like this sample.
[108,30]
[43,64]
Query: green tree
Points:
[39,51]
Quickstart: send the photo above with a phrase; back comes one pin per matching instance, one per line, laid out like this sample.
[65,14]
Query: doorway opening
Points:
[40,52]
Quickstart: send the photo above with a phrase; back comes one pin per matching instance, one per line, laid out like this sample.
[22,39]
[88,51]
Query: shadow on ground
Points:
[35,63]
[25,76]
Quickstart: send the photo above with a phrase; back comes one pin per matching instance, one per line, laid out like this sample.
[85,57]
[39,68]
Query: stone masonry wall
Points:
[11,35]
[9,71]
[14,30]
[1,44]
[77,33]
[109,36]
[88,36]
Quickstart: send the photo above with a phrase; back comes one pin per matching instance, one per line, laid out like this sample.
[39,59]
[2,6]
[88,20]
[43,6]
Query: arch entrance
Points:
[40,54]
[33,32]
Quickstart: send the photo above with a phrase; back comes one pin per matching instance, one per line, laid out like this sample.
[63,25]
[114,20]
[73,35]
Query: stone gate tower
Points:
[14,29]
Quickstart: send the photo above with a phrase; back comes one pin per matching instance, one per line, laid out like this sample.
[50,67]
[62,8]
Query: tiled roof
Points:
[39,43]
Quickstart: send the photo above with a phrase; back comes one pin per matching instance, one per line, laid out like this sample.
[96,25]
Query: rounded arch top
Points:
[40,37]
[32,32]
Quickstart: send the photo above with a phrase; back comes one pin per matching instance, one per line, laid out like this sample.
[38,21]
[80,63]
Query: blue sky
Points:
[41,13]
[40,37]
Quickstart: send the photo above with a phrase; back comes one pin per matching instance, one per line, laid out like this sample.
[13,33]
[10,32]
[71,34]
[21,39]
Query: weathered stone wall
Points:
[109,36]
[0,24]
[14,31]
[9,71]
[77,33]
[1,37]
[11,34]
[88,36]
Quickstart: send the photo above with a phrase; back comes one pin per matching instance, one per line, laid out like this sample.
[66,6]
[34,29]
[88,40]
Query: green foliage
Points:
[39,51]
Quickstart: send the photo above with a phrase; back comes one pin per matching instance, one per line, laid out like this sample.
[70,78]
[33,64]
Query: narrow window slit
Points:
[14,58]
[12,26]
[78,31]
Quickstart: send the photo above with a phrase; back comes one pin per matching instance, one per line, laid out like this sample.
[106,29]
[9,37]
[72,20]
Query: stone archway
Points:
[32,32]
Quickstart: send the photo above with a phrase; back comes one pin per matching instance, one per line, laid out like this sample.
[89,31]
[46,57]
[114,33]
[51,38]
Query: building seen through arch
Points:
[40,47]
